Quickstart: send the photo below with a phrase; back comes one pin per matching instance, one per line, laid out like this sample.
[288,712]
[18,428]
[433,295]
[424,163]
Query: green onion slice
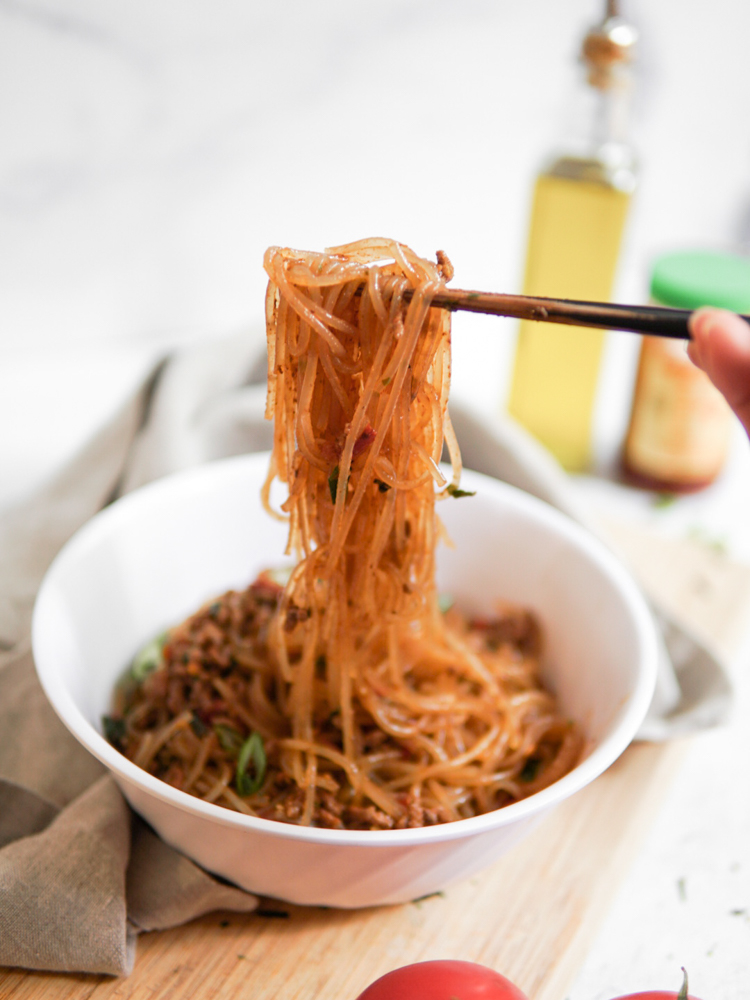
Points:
[252,750]
[229,738]
[148,659]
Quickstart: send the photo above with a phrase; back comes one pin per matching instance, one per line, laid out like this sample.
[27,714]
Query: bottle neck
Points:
[597,144]
[597,141]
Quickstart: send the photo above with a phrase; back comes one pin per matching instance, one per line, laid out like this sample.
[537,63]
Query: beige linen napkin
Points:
[79,875]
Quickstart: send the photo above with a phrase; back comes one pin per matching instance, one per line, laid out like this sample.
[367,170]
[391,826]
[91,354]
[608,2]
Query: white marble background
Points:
[151,150]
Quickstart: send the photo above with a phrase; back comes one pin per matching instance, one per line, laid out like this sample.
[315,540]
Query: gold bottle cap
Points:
[609,49]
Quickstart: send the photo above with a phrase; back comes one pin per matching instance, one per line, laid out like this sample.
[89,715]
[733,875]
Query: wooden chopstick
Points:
[656,321]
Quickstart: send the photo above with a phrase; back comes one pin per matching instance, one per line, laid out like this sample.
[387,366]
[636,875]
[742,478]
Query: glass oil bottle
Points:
[579,211]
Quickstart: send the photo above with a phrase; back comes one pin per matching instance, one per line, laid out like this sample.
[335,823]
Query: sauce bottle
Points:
[579,210]
[680,425]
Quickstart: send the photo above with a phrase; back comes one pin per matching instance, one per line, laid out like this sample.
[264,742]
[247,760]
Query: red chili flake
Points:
[480,624]
[265,589]
[364,440]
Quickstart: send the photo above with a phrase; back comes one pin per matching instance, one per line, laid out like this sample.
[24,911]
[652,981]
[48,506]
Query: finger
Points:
[721,347]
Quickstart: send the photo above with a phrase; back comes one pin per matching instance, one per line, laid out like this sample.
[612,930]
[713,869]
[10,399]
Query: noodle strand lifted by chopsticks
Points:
[375,710]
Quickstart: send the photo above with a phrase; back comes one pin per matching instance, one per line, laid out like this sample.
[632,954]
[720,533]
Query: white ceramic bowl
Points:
[153,557]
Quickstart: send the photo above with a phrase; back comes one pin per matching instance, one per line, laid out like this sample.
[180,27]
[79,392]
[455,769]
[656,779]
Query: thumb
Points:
[720,346]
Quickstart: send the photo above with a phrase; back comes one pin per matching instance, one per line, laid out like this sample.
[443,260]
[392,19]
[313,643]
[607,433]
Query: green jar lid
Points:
[694,278]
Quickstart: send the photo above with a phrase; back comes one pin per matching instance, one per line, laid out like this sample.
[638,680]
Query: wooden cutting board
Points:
[531,916]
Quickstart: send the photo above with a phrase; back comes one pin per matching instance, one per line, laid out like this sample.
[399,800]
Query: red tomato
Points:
[442,980]
[662,994]
[657,995]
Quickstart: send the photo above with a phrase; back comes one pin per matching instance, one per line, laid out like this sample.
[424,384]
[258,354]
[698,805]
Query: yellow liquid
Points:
[574,243]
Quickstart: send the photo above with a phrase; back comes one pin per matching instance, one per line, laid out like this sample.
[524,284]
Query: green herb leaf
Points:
[697,533]
[114,730]
[333,483]
[252,750]
[428,895]
[530,769]
[148,659]
[445,602]
[198,726]
[229,738]
[454,491]
[663,500]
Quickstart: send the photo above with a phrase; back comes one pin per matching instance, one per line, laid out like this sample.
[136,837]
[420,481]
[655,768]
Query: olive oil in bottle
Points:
[578,217]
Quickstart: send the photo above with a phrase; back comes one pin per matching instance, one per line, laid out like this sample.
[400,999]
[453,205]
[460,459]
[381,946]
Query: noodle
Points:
[346,698]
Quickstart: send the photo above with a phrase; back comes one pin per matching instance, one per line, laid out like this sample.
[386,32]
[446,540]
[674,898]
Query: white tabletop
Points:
[152,151]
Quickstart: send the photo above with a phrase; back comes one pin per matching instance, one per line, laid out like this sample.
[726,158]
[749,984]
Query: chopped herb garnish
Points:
[252,751]
[663,500]
[445,602]
[333,482]
[454,491]
[386,380]
[697,533]
[198,726]
[530,769]
[427,895]
[149,658]
[229,738]
[114,730]
[383,487]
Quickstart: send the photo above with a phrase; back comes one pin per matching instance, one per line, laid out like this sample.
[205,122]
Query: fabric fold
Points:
[63,889]
[164,889]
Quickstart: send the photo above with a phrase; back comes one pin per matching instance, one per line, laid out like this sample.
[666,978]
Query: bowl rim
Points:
[207,476]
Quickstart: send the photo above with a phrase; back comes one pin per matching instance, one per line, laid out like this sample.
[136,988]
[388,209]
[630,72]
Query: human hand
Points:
[720,346]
